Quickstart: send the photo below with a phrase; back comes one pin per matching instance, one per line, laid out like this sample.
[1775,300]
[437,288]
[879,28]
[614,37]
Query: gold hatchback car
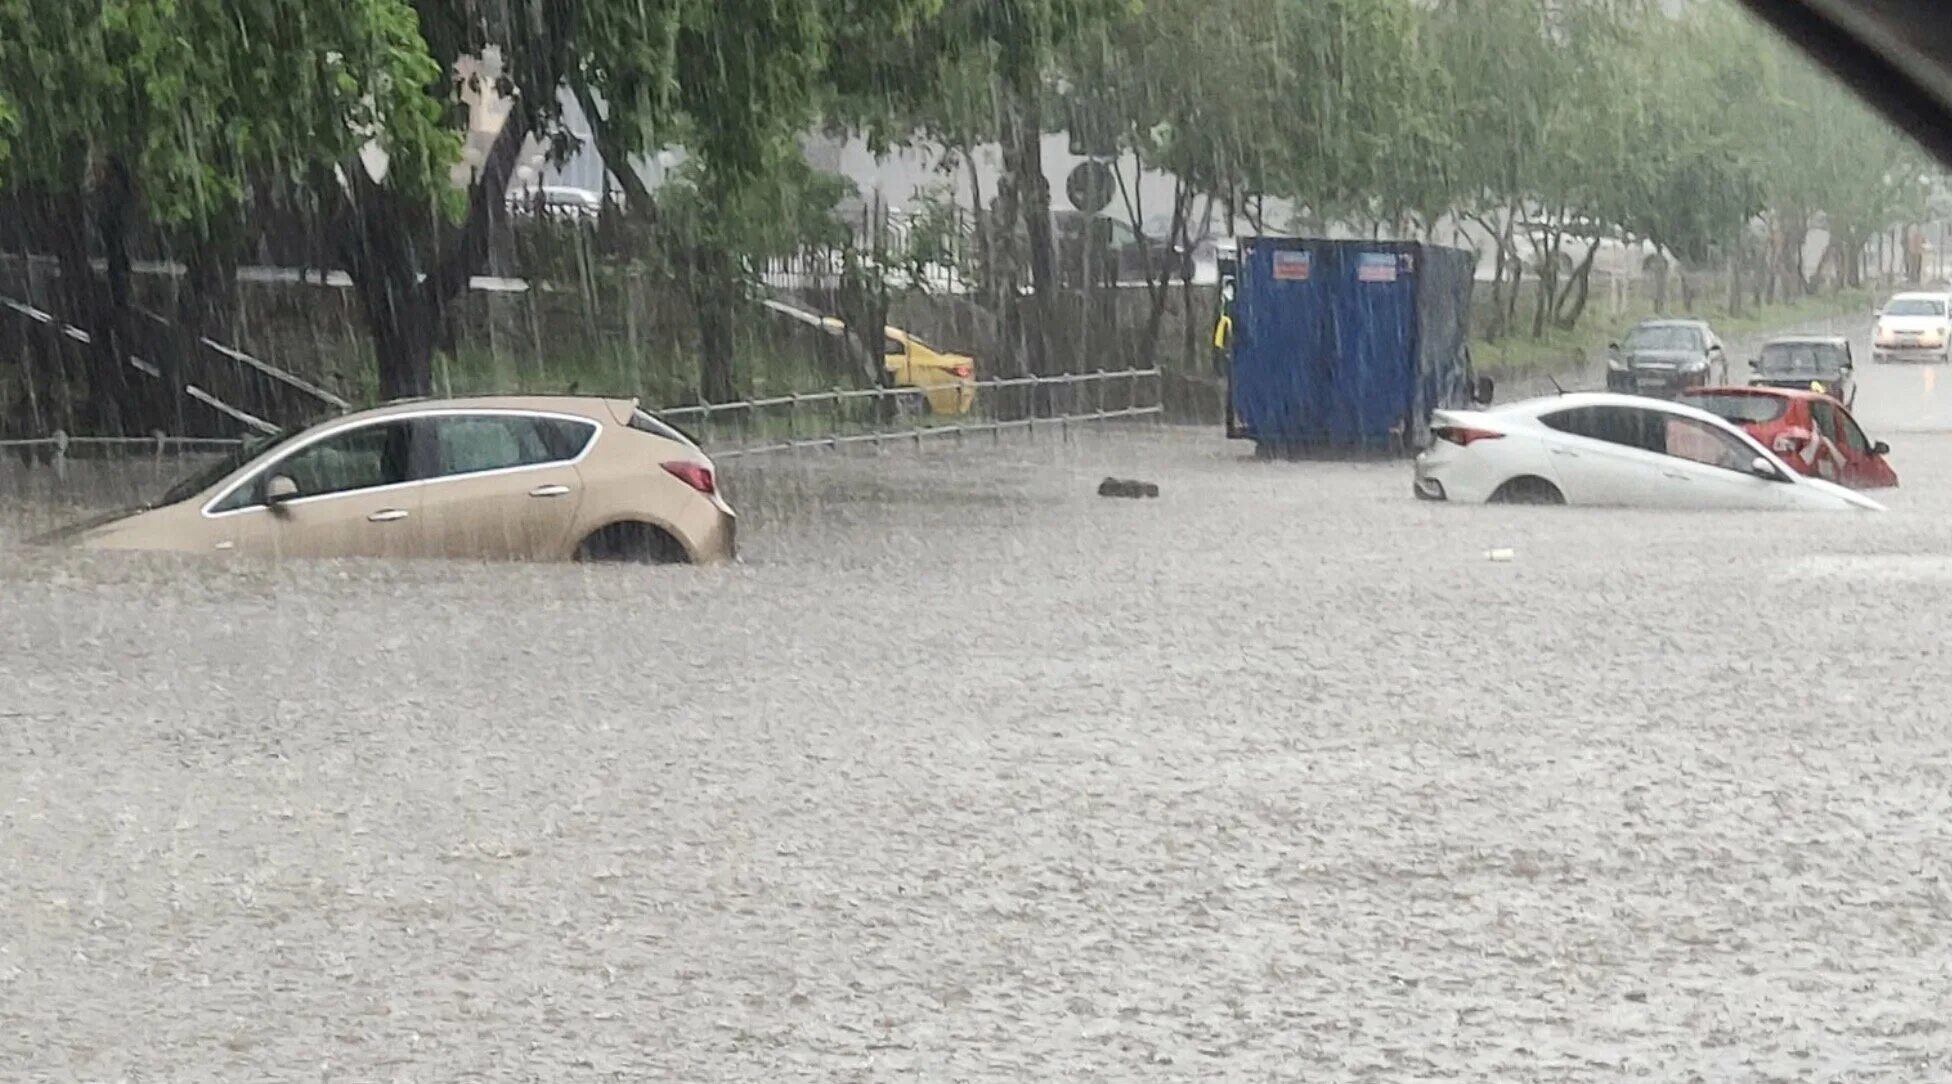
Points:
[535,478]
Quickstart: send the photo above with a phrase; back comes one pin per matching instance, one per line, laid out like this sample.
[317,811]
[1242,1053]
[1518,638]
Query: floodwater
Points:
[967,773]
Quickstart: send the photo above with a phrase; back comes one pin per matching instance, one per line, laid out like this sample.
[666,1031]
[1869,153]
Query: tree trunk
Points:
[714,294]
[406,311]
[1023,160]
[1572,301]
[1548,279]
[1735,276]
[1158,274]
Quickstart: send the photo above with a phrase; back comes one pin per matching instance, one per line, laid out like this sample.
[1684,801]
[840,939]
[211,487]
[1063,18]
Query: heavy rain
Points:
[880,539]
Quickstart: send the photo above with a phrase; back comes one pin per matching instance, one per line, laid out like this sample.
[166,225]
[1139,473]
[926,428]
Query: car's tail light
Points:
[960,372]
[696,475]
[1463,435]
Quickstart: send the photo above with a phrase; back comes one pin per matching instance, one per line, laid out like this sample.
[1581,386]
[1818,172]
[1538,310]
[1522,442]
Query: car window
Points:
[1853,436]
[471,443]
[1915,306]
[1823,418]
[1614,425]
[220,468]
[1740,408]
[892,347]
[363,458]
[1813,359]
[645,422]
[1667,337]
[1699,442]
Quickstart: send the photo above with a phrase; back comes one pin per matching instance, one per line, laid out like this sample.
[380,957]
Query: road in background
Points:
[967,773]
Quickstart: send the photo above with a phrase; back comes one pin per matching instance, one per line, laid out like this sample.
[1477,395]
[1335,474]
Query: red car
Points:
[1812,432]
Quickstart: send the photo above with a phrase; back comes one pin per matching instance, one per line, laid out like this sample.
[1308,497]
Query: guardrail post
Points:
[840,412]
[61,454]
[793,422]
[705,423]
[1099,389]
[1035,383]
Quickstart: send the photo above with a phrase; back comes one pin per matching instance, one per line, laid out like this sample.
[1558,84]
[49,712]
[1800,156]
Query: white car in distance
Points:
[1608,449]
[1916,326]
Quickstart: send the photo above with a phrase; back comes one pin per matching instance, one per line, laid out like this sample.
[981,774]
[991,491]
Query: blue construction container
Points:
[1346,345]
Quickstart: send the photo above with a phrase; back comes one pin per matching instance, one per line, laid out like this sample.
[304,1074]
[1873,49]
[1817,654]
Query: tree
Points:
[135,116]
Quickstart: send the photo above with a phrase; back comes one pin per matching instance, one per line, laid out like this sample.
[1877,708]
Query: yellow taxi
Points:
[948,381]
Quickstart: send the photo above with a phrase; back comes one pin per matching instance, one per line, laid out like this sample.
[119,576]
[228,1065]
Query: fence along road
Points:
[786,423]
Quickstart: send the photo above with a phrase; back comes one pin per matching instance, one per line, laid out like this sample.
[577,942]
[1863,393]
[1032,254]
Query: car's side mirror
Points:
[279,489]
[1880,448]
[1615,347]
[1764,470]
[1482,389]
[1755,363]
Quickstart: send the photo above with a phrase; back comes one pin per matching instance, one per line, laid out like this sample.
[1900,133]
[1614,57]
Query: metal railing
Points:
[845,416]
[787,423]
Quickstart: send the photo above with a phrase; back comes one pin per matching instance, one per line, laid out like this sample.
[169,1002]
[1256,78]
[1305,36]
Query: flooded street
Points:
[966,773]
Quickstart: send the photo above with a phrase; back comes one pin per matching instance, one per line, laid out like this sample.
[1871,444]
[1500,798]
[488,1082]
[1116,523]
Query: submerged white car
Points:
[1607,449]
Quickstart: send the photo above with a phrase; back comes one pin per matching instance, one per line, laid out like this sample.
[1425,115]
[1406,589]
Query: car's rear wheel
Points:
[632,543]
[1528,490]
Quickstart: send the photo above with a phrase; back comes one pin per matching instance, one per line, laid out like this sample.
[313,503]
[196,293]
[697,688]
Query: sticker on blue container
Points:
[1293,266]
[1376,267]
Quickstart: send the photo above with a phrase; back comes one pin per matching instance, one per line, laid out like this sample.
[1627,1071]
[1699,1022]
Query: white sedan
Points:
[1609,449]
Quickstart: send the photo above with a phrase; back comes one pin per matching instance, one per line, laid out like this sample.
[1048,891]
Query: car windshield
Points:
[1740,408]
[1665,337]
[215,471]
[1915,306]
[1800,359]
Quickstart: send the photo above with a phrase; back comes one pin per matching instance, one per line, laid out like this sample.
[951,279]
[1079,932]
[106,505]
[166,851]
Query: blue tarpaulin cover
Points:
[1347,344]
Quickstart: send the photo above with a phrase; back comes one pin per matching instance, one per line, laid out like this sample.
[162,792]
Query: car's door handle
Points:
[548,491]
[387,515]
[1565,452]
[1677,476]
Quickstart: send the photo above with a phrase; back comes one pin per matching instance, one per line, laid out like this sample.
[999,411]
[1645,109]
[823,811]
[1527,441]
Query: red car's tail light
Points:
[696,475]
[1464,436]
[960,372]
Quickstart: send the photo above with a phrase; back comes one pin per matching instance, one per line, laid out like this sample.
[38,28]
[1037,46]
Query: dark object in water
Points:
[1120,487]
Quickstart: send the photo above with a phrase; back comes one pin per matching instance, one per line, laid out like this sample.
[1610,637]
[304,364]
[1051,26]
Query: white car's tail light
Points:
[1464,436]
[696,475]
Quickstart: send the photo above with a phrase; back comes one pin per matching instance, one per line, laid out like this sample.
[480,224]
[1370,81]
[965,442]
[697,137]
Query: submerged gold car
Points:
[535,478]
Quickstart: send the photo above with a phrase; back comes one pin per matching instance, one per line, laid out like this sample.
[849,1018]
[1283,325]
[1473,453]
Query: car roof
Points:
[1546,404]
[1922,295]
[1760,392]
[1808,340]
[592,407]
[1684,321]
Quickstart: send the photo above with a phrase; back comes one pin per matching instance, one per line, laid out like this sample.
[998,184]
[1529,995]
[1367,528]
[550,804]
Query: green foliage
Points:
[192,98]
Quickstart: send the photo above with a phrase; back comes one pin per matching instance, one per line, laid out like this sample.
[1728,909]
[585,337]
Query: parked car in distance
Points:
[1914,327]
[1819,363]
[534,478]
[561,201]
[947,381]
[1810,431]
[1608,449]
[1663,357]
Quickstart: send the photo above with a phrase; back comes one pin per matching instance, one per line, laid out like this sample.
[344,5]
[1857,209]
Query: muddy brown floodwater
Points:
[966,773]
